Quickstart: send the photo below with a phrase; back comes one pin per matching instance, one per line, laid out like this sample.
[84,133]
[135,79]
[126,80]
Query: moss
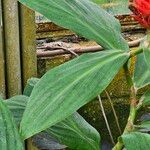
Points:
[92,113]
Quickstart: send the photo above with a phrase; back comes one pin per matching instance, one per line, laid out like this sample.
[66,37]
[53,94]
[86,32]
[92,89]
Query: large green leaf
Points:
[74,132]
[142,73]
[83,17]
[9,135]
[64,89]
[136,141]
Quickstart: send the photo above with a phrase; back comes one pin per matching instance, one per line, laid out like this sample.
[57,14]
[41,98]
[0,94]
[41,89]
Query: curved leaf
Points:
[74,132]
[29,86]
[83,17]
[142,73]
[136,141]
[9,135]
[64,89]
[17,106]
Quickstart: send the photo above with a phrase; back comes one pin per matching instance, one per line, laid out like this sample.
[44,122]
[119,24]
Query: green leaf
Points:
[142,73]
[136,141]
[74,132]
[64,89]
[145,125]
[9,135]
[17,106]
[83,17]
[146,98]
[30,85]
[144,45]
[147,57]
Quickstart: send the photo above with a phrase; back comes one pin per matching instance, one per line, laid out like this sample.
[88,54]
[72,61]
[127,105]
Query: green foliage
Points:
[146,98]
[136,141]
[63,90]
[147,57]
[17,106]
[145,126]
[74,132]
[142,73]
[9,135]
[30,85]
[83,17]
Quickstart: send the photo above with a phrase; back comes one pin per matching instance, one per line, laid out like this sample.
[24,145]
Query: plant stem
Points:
[133,104]
[135,52]
[106,120]
[114,111]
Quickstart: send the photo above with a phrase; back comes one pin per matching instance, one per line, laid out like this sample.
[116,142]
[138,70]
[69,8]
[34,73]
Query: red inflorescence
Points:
[141,11]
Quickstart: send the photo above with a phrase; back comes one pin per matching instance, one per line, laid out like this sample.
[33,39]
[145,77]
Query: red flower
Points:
[141,11]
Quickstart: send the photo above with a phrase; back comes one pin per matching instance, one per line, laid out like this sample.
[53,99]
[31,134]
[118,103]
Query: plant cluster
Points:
[49,104]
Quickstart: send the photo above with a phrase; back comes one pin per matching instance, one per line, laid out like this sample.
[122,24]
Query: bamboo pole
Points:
[28,50]
[2,65]
[12,47]
[28,47]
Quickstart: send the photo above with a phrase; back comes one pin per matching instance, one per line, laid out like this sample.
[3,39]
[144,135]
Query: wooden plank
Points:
[28,46]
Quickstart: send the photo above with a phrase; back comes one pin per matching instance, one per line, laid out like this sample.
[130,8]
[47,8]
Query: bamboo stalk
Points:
[12,47]
[28,49]
[2,65]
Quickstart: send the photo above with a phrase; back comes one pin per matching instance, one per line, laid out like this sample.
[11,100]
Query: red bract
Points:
[141,11]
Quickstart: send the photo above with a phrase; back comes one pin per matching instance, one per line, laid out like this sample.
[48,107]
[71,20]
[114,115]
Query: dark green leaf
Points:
[136,141]
[64,89]
[141,74]
[74,132]
[9,135]
[29,87]
[83,17]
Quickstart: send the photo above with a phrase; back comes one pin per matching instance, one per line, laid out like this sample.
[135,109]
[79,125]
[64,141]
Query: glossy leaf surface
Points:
[9,135]
[142,73]
[84,18]
[64,89]
[136,141]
